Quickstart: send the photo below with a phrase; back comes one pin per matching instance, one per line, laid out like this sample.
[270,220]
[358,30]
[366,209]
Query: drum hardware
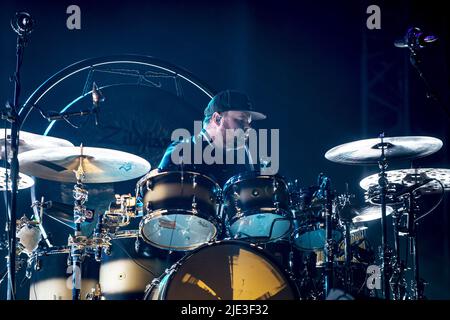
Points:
[414,184]
[78,241]
[39,219]
[120,212]
[398,281]
[380,151]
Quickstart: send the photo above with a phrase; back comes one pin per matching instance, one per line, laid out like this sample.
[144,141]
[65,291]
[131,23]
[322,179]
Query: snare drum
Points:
[181,209]
[257,206]
[224,270]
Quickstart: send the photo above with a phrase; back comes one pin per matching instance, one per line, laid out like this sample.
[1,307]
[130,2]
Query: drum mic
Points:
[415,39]
[97,97]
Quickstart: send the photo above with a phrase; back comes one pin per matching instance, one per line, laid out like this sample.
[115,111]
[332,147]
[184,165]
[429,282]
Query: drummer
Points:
[228,110]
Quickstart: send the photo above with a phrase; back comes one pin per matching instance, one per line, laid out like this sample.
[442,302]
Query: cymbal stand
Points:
[412,225]
[78,241]
[23,25]
[345,214]
[330,244]
[397,280]
[383,183]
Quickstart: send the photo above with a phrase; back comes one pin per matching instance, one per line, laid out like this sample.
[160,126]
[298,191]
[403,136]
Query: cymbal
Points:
[24,181]
[30,141]
[369,213]
[410,177]
[367,152]
[99,165]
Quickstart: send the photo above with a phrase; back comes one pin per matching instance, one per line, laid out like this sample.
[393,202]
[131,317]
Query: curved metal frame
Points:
[82,65]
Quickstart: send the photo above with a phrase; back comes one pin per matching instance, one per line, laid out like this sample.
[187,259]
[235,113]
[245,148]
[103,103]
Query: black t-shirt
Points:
[219,172]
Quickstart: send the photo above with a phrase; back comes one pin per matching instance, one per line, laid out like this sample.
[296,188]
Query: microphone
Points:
[323,183]
[415,39]
[97,97]
[22,23]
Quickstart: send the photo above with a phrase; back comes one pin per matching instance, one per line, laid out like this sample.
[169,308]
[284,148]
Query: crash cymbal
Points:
[25,181]
[369,213]
[410,177]
[99,165]
[367,152]
[30,141]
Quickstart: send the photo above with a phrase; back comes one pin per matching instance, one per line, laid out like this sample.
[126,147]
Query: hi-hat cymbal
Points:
[30,141]
[370,213]
[24,181]
[99,165]
[367,152]
[411,177]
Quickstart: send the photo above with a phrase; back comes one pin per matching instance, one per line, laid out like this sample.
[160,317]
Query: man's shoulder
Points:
[166,161]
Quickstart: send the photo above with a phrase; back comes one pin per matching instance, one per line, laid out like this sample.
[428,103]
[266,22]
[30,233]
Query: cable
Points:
[434,207]
[135,261]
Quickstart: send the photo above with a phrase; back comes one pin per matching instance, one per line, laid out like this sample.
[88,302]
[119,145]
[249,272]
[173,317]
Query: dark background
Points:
[313,67]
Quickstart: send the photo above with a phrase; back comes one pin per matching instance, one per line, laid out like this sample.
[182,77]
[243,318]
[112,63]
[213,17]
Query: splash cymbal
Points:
[30,141]
[24,182]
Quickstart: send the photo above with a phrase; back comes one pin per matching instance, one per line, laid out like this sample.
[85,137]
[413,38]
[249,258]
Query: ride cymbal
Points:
[368,152]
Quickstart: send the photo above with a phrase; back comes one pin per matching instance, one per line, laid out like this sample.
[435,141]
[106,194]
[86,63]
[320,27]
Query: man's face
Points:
[234,123]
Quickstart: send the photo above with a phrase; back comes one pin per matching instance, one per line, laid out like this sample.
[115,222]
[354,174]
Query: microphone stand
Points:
[412,226]
[22,24]
[414,47]
[383,183]
[330,243]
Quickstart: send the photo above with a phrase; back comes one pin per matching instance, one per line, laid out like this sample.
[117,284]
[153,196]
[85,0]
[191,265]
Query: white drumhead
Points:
[177,232]
[259,225]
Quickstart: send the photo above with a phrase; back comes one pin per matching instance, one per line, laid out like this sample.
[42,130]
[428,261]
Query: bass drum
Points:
[224,270]
[53,278]
[131,265]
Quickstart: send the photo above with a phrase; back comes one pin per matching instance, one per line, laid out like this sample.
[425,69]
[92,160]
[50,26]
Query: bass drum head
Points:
[228,270]
[130,267]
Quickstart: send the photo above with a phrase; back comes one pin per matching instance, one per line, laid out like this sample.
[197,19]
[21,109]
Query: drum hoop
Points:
[251,175]
[162,212]
[142,182]
[158,213]
[251,212]
[170,272]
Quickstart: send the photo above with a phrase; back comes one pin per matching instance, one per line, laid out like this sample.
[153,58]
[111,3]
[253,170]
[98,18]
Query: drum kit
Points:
[183,236]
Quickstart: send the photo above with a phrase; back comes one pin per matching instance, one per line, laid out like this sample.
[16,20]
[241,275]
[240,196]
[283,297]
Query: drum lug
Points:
[149,185]
[194,205]
[149,206]
[194,182]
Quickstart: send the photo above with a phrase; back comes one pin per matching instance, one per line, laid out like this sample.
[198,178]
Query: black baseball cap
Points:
[232,100]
